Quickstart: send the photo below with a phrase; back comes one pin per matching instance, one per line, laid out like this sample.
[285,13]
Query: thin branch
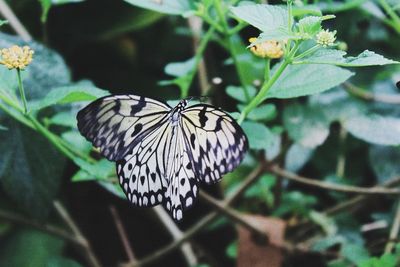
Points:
[363,94]
[47,228]
[122,234]
[233,215]
[195,24]
[330,186]
[205,221]
[176,233]
[89,254]
[15,23]
[394,231]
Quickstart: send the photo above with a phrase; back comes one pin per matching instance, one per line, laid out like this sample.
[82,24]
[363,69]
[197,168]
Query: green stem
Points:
[267,72]
[307,52]
[265,88]
[199,55]
[392,14]
[41,129]
[227,32]
[21,91]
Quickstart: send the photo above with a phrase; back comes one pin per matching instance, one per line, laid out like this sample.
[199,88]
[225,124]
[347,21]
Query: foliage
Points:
[327,109]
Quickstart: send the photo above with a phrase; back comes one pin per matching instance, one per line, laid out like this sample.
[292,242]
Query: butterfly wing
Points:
[158,170]
[182,188]
[217,143]
[142,172]
[113,123]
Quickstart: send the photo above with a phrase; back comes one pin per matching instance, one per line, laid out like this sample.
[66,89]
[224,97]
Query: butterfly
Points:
[162,153]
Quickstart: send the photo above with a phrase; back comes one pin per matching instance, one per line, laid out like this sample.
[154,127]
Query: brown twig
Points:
[394,231]
[44,227]
[176,233]
[195,24]
[363,94]
[89,254]
[122,234]
[233,215]
[330,186]
[15,23]
[205,221]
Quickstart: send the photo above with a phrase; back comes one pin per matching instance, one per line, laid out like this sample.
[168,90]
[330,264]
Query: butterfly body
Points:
[162,153]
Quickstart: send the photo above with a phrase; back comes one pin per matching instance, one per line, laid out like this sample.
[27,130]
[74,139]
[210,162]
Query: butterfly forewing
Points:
[216,141]
[113,123]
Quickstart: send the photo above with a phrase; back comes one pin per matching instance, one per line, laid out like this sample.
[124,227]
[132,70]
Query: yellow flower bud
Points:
[326,38]
[16,57]
[266,49]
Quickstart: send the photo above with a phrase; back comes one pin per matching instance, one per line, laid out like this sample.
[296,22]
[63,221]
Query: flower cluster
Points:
[266,49]
[16,57]
[326,38]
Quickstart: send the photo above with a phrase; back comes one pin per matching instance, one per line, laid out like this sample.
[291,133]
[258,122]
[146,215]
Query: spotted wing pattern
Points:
[217,143]
[158,170]
[160,156]
[113,123]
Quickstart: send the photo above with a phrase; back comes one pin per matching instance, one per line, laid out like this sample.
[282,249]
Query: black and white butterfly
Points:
[162,153]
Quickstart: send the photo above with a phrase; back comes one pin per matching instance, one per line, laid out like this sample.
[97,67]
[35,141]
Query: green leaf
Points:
[36,81]
[180,68]
[310,25]
[231,250]
[375,129]
[326,223]
[306,126]
[64,118]
[297,156]
[100,170]
[172,7]
[2,22]
[384,161]
[75,139]
[260,137]
[276,35]
[307,80]
[29,248]
[261,113]
[386,260]
[47,4]
[264,17]
[337,57]
[68,94]
[354,253]
[30,169]
[237,92]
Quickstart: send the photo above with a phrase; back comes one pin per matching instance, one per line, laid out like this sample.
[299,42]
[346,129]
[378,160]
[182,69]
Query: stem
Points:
[264,90]
[394,231]
[227,32]
[89,254]
[200,50]
[267,72]
[307,52]
[392,14]
[22,91]
[275,169]
[341,163]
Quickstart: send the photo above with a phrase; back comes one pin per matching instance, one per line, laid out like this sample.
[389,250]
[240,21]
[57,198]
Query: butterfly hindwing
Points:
[112,123]
[217,142]
[183,188]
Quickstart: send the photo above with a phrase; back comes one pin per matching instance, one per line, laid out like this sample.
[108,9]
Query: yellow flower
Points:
[16,57]
[326,38]
[266,49]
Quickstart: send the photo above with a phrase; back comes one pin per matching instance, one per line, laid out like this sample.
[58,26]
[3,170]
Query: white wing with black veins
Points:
[113,123]
[216,141]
